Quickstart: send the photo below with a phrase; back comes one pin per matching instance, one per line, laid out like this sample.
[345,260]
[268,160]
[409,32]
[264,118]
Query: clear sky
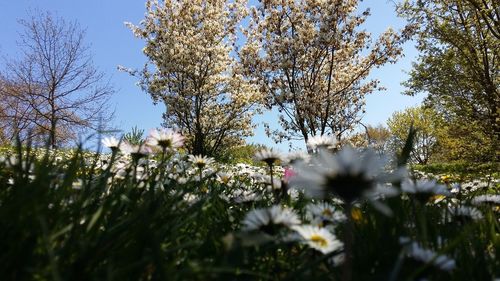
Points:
[113,44]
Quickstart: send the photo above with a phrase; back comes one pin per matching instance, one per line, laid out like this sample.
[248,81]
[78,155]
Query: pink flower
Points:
[289,173]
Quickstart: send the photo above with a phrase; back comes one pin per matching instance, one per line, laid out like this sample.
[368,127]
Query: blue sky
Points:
[112,44]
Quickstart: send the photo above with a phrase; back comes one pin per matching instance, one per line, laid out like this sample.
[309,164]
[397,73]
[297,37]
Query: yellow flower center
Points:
[317,239]
[327,213]
[356,214]
[437,198]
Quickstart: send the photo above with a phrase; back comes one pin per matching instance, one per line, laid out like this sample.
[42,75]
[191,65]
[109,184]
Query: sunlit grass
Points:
[164,217]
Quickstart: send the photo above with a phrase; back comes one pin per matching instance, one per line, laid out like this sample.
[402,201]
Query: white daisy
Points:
[242,196]
[297,156]
[200,161]
[269,156]
[348,174]
[319,238]
[493,199]
[190,198]
[466,212]
[324,212]
[269,220]
[135,150]
[455,188]
[181,180]
[267,181]
[165,138]
[325,142]
[111,143]
[424,189]
[224,178]
[427,256]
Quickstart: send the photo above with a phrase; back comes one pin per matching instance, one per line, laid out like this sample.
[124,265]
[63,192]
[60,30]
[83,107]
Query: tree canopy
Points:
[459,65]
[191,70]
[53,90]
[429,128]
[311,60]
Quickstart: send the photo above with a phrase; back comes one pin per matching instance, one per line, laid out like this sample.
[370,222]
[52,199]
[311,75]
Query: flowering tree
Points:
[194,75]
[311,62]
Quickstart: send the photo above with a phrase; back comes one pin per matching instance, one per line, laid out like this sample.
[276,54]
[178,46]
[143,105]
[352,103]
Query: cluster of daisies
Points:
[278,223]
[164,139]
[165,142]
[458,184]
[348,177]
[243,182]
[335,180]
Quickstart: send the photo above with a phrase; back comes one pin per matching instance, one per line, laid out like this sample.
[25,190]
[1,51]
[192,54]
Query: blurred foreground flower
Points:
[427,256]
[465,213]
[297,156]
[136,151]
[348,174]
[423,190]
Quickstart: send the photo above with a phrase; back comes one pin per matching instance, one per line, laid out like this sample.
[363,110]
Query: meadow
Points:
[152,212]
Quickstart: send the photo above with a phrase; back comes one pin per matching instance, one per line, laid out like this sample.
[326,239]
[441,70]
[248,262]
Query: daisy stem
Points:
[134,170]
[163,155]
[163,162]
[276,195]
[423,223]
[348,237]
[276,264]
[397,267]
[420,217]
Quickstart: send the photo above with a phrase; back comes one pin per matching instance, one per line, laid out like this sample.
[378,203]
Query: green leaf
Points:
[94,219]
[407,148]
[62,231]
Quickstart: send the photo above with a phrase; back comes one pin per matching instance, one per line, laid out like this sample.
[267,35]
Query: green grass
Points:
[464,169]
[110,228]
